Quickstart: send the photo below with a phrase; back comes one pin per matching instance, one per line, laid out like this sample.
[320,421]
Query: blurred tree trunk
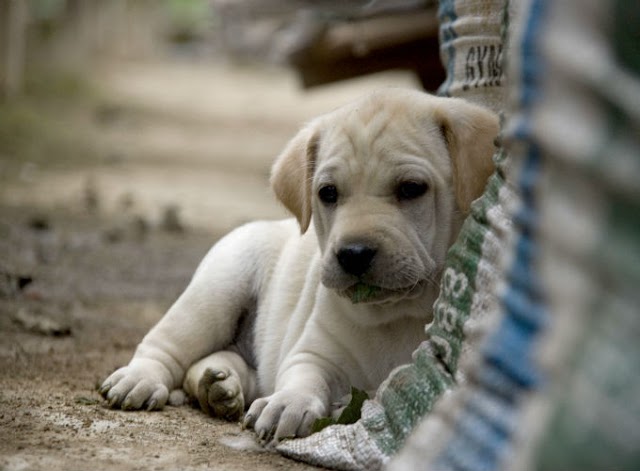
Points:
[13,22]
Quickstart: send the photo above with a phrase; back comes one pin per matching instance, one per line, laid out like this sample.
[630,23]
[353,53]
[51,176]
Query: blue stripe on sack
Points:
[491,406]
[446,18]
[484,427]
[519,276]
[508,370]
[532,67]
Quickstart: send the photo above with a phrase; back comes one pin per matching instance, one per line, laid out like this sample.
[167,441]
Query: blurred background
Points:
[172,111]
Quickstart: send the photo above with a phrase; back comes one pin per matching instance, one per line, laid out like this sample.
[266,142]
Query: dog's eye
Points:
[328,194]
[411,190]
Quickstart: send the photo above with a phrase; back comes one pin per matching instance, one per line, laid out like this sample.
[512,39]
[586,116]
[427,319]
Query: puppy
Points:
[286,316]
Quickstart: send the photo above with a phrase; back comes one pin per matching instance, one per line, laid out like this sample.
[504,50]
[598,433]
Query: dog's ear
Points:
[470,133]
[292,174]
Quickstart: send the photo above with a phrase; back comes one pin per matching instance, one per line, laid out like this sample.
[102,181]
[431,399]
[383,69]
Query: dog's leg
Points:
[203,320]
[222,383]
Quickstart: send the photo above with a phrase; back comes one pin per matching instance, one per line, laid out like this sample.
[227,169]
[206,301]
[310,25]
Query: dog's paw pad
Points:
[220,394]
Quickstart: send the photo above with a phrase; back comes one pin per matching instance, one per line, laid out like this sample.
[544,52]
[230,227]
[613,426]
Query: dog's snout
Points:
[356,259]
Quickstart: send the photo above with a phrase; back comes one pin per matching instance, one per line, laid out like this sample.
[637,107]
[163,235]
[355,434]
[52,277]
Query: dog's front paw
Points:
[284,414]
[220,394]
[140,385]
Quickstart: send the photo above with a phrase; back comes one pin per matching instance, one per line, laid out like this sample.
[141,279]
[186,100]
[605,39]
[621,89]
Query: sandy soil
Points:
[94,247]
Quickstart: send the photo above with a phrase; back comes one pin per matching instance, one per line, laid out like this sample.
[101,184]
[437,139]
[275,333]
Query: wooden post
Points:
[15,47]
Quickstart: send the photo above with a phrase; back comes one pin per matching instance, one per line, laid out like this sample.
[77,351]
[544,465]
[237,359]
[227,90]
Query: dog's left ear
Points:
[292,174]
[470,132]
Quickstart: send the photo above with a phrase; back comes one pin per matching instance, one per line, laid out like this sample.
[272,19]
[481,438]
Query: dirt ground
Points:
[108,201]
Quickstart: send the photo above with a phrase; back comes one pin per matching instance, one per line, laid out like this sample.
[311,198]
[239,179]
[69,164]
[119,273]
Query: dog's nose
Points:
[355,259]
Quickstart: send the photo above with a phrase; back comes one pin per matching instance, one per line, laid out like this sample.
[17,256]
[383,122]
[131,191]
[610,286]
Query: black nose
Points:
[355,259]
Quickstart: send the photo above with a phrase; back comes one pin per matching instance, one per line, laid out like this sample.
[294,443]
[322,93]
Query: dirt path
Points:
[95,247]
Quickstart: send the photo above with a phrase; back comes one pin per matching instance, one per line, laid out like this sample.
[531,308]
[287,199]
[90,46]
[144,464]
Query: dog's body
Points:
[296,319]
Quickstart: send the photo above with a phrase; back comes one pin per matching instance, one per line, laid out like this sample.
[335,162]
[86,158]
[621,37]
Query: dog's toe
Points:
[220,394]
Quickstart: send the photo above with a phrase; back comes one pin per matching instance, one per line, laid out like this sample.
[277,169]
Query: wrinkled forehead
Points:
[375,130]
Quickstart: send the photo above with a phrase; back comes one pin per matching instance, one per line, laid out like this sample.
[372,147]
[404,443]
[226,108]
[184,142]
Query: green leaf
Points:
[321,423]
[351,413]
[363,292]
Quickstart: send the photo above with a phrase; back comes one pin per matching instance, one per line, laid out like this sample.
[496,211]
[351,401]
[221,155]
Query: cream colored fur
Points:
[272,319]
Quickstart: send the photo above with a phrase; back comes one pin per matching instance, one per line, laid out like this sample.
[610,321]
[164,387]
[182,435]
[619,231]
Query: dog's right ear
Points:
[292,174]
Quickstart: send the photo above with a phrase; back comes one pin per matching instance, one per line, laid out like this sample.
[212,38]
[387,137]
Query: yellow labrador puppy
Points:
[286,316]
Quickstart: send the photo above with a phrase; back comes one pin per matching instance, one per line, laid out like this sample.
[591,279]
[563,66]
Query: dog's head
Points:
[387,181]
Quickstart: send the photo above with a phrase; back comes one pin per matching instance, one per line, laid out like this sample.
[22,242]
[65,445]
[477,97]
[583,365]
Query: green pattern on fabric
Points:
[453,307]
[408,395]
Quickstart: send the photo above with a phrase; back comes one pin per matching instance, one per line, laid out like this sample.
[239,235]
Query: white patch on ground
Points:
[102,426]
[244,442]
[61,419]
[14,463]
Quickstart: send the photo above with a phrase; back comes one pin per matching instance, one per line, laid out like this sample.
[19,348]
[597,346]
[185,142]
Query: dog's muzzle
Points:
[356,260]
